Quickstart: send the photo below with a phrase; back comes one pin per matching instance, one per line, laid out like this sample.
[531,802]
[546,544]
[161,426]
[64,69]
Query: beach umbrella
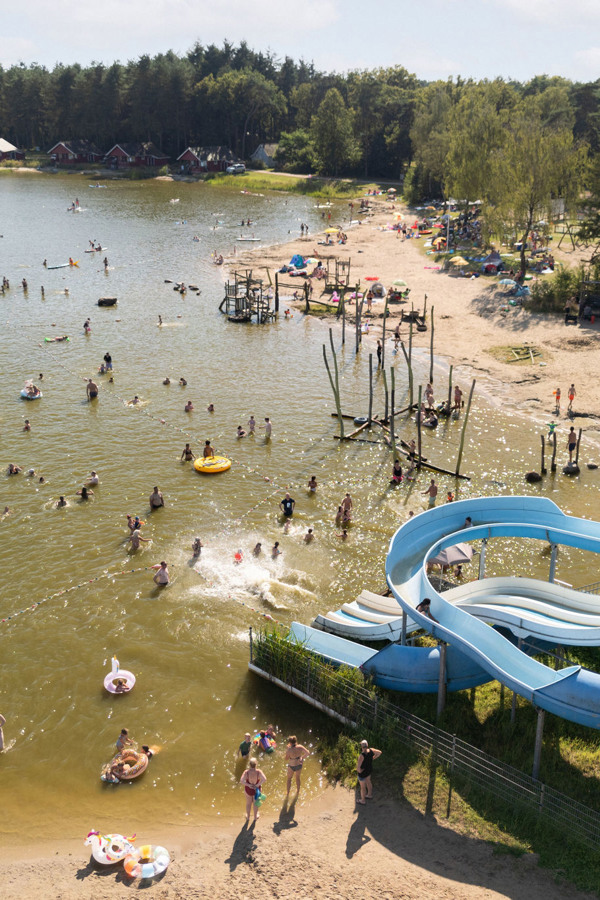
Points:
[391,190]
[458,261]
[439,240]
[331,230]
[399,282]
[453,556]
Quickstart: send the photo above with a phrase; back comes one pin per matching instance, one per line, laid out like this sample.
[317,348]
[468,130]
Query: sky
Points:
[432,38]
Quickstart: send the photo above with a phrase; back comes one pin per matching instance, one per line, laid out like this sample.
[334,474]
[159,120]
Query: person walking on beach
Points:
[287,506]
[572,393]
[156,499]
[432,490]
[91,389]
[294,757]
[162,574]
[364,770]
[571,443]
[252,779]
[557,397]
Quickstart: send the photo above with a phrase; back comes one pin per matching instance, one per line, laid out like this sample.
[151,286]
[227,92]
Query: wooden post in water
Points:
[335,393]
[431,349]
[343,302]
[385,392]
[419,429]
[306,297]
[450,391]
[393,397]
[370,388]
[553,463]
[335,365]
[577,450]
[385,313]
[410,377]
[543,464]
[276,292]
[464,429]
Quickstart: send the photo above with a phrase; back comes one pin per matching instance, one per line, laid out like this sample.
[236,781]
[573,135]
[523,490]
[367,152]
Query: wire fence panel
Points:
[349,696]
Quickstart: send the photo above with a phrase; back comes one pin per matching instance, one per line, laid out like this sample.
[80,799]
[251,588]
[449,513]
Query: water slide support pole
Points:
[403,632]
[481,573]
[441,681]
[539,736]
[513,706]
[553,556]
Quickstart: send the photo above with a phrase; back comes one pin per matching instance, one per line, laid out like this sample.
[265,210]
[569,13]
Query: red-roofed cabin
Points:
[196,160]
[67,153]
[131,154]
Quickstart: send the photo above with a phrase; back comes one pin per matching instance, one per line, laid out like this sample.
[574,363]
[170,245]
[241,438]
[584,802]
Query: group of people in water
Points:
[253,777]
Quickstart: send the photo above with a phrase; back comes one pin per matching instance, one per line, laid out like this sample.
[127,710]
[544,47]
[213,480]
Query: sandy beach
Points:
[329,849]
[472,318]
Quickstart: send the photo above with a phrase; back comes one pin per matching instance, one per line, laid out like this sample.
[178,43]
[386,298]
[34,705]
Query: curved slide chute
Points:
[571,693]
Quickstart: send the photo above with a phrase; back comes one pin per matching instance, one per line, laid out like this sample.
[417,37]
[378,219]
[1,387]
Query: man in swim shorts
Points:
[571,443]
[208,451]
[162,574]
[432,490]
[91,389]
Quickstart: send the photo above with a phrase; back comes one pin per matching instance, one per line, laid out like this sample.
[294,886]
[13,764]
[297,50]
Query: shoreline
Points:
[330,848]
[471,328]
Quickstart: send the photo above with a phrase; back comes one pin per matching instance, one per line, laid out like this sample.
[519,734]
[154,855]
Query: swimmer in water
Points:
[60,502]
[238,557]
[312,485]
[240,432]
[167,380]
[189,406]
[210,408]
[309,536]
[135,401]
[275,552]
[27,425]
[182,382]
[197,547]
[343,536]
[160,321]
[257,550]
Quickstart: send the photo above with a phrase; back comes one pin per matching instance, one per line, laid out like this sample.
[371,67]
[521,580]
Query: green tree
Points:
[296,151]
[333,134]
[536,162]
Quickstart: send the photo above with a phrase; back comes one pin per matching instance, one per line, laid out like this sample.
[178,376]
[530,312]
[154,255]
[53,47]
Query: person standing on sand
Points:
[557,396]
[364,769]
[294,757]
[252,779]
[572,393]
[432,490]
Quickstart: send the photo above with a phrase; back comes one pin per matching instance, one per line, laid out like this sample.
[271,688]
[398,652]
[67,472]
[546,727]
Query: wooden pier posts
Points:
[464,429]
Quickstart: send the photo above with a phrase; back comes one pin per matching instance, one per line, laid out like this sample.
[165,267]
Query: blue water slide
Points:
[572,693]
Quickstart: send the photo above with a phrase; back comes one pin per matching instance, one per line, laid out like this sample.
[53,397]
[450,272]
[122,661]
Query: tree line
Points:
[455,137]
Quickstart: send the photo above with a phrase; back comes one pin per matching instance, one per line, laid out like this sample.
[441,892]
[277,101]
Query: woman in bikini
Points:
[294,756]
[252,779]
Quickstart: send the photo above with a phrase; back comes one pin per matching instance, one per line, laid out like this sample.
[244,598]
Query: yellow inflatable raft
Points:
[212,464]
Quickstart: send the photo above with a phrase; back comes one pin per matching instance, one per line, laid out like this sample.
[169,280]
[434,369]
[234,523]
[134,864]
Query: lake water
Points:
[187,645]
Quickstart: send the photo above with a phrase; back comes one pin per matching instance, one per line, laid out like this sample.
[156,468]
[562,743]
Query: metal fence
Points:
[339,693]
[590,588]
